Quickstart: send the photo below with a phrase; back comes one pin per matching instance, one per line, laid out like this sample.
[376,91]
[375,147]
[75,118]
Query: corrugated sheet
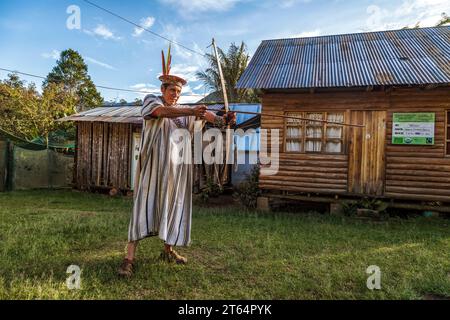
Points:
[400,57]
[109,114]
[133,114]
[240,117]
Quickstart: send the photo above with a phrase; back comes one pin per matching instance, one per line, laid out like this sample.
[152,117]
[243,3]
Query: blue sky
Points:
[32,33]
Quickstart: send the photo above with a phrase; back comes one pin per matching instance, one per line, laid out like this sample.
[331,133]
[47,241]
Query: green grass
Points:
[234,254]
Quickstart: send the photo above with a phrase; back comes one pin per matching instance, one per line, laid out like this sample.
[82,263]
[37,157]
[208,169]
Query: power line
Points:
[102,87]
[141,27]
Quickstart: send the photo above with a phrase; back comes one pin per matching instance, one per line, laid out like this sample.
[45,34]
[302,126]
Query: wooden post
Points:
[262,204]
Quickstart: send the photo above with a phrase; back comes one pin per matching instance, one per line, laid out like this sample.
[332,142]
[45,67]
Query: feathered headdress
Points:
[166,77]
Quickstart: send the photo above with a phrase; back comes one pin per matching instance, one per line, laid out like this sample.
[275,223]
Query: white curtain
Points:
[293,132]
[334,133]
[293,146]
[313,146]
[336,117]
[314,132]
[333,147]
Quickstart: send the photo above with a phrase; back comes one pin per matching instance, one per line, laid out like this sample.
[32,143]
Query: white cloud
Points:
[103,31]
[99,63]
[425,12]
[185,71]
[55,54]
[200,86]
[52,55]
[146,88]
[307,34]
[179,53]
[191,6]
[145,23]
[190,98]
[187,96]
[139,86]
[290,3]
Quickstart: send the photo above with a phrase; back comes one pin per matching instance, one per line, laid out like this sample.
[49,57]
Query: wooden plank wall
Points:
[104,155]
[419,172]
[298,172]
[411,172]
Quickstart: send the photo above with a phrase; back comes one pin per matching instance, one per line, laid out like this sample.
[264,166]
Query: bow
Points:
[225,171]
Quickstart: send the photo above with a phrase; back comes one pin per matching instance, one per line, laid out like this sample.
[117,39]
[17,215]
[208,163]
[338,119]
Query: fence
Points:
[3,164]
[24,169]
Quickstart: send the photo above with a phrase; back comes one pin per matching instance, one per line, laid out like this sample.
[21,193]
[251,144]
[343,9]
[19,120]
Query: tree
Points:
[72,72]
[29,115]
[233,65]
[14,81]
[15,102]
[445,20]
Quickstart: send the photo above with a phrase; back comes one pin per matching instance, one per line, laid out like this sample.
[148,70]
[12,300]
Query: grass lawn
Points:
[234,255]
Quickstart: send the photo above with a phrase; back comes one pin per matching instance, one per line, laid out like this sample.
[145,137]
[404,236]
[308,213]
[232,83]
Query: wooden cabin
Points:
[107,148]
[395,83]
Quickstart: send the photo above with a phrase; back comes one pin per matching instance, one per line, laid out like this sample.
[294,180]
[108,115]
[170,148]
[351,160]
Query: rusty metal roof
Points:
[399,57]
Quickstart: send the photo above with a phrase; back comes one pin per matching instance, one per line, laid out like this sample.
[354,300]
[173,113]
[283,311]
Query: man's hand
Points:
[230,118]
[200,111]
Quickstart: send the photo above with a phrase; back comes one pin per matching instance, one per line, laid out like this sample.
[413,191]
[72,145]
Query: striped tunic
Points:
[163,189]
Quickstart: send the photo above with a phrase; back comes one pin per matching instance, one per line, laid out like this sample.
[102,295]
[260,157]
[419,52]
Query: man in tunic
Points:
[163,188]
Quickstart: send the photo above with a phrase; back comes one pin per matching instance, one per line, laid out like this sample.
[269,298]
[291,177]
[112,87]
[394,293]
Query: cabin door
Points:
[367,153]
[135,155]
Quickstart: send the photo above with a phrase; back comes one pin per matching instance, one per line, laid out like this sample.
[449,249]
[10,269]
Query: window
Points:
[448,133]
[312,136]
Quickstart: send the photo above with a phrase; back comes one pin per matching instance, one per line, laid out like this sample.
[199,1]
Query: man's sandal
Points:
[126,269]
[173,256]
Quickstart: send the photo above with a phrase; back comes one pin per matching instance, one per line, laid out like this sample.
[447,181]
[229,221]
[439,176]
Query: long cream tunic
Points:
[163,189]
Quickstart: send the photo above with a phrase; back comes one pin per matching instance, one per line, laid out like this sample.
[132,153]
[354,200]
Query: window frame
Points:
[447,132]
[303,129]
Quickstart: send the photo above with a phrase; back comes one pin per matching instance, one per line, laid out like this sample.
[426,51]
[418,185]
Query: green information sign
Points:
[413,128]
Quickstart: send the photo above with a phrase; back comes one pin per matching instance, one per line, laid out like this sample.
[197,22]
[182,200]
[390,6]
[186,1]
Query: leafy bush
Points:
[211,190]
[350,208]
[248,191]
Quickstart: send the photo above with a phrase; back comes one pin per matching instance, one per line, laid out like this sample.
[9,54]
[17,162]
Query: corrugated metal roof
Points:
[399,57]
[240,117]
[109,114]
[133,114]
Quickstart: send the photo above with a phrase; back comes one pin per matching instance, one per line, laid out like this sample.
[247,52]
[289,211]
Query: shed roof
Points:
[398,57]
[108,114]
[132,114]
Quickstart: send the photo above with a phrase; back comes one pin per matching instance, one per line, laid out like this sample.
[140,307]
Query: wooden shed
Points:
[107,147]
[396,83]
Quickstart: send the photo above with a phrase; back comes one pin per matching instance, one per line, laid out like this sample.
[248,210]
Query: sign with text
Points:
[413,128]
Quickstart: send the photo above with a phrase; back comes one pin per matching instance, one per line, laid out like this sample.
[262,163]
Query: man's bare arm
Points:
[218,120]
[210,117]
[169,112]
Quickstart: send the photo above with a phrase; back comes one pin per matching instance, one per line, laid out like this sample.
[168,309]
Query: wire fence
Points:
[27,169]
